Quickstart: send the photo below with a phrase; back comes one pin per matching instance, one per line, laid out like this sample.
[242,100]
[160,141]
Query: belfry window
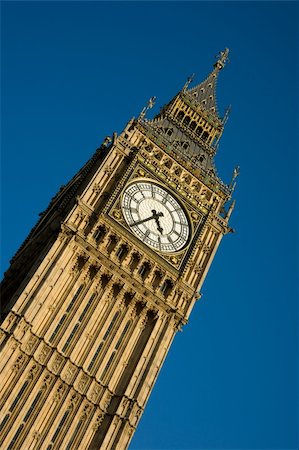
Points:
[87,307]
[186,120]
[180,115]
[192,125]
[198,131]
[205,135]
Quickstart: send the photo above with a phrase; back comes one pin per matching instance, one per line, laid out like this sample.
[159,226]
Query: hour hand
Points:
[156,217]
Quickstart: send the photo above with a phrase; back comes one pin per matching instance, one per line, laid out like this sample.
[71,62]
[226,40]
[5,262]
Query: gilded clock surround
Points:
[89,310]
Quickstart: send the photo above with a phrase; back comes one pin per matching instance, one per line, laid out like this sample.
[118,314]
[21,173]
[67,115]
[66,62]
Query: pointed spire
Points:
[205,92]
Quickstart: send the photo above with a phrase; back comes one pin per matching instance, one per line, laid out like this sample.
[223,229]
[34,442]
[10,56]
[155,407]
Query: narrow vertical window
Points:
[122,335]
[87,307]
[11,445]
[55,332]
[33,404]
[60,426]
[69,339]
[108,365]
[21,392]
[74,298]
[74,435]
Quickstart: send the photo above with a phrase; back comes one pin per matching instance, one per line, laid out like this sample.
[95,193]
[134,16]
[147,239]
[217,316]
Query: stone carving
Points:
[73,401]
[59,393]
[106,400]
[69,373]
[21,329]
[86,411]
[95,392]
[30,345]
[98,421]
[56,363]
[10,321]
[82,383]
[43,354]
[96,188]
[33,372]
[36,435]
[21,359]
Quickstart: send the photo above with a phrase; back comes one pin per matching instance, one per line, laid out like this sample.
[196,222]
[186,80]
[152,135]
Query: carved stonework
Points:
[82,383]
[95,392]
[31,344]
[56,363]
[87,409]
[10,321]
[105,402]
[43,353]
[98,421]
[69,372]
[33,372]
[19,363]
[59,393]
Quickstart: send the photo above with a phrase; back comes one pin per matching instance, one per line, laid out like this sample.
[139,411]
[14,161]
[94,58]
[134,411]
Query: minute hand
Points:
[155,215]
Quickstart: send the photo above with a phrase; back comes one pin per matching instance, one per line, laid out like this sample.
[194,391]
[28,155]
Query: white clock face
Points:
[155,216]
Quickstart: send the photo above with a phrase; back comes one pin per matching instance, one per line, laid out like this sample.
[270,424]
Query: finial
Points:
[226,114]
[230,210]
[189,80]
[222,59]
[236,173]
[149,105]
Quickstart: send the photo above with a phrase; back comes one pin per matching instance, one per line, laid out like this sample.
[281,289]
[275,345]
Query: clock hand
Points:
[154,216]
[158,225]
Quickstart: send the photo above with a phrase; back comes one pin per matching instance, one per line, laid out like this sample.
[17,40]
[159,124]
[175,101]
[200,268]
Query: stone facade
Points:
[90,311]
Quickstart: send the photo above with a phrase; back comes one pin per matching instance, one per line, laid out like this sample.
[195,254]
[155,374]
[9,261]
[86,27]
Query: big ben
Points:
[97,292]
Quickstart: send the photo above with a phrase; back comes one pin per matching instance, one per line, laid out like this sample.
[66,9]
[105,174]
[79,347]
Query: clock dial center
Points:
[155,216]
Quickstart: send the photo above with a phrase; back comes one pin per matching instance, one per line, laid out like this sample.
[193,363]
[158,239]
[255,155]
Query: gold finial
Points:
[189,79]
[236,173]
[222,59]
[149,105]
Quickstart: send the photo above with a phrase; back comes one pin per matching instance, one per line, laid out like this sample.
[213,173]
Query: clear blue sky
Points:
[73,73]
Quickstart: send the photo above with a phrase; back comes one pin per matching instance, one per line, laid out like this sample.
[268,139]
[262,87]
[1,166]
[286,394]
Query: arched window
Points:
[134,261]
[205,135]
[112,243]
[122,252]
[186,120]
[99,234]
[157,279]
[198,130]
[167,288]
[180,115]
[192,125]
[144,270]
[104,280]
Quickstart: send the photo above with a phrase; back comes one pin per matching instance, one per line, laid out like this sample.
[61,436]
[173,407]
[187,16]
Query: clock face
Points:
[155,216]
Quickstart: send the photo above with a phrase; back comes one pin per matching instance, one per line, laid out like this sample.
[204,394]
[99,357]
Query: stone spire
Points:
[204,94]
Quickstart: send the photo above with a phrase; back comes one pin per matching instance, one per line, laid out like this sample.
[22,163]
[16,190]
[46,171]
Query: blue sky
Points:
[73,73]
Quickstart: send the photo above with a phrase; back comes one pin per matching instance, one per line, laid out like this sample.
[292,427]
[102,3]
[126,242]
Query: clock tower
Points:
[109,274]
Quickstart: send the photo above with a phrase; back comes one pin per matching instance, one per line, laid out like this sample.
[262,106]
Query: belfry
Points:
[111,271]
